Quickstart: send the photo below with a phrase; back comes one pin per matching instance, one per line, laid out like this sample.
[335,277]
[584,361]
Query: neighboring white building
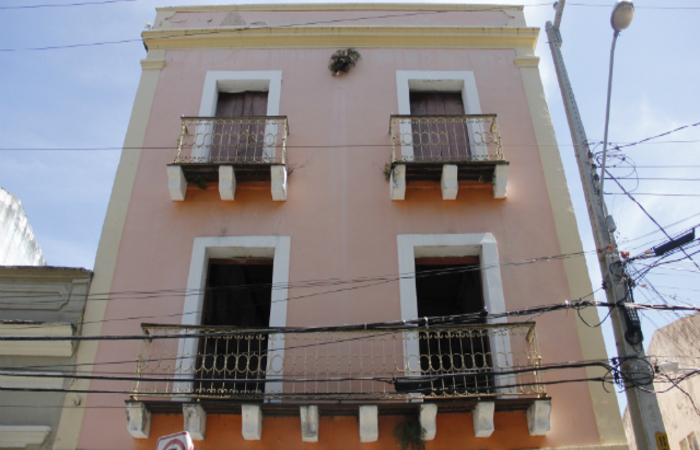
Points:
[18,247]
[674,348]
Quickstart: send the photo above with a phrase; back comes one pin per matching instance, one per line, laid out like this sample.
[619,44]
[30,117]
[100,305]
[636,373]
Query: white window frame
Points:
[447,81]
[483,245]
[216,81]
[227,247]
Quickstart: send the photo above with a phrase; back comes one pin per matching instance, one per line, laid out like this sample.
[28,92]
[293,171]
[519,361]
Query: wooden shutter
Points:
[236,139]
[443,138]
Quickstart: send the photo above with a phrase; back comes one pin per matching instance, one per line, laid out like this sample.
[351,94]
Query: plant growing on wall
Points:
[410,434]
[342,61]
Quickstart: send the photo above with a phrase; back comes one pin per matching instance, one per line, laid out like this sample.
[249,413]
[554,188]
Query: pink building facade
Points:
[258,191]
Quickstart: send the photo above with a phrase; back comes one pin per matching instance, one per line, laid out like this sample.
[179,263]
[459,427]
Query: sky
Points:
[81,97]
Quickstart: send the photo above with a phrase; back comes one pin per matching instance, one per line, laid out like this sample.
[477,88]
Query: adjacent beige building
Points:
[675,349]
[38,301]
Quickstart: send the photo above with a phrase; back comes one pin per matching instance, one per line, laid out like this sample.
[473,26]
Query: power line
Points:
[141,295]
[397,325]
[144,40]
[321,146]
[649,215]
[654,179]
[655,194]
[659,135]
[64,5]
[228,31]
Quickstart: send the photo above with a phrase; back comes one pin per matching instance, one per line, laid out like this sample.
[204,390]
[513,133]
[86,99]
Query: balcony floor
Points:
[479,171]
[338,408]
[209,172]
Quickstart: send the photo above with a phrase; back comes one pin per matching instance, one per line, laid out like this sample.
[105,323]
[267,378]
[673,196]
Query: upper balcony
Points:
[230,150]
[447,149]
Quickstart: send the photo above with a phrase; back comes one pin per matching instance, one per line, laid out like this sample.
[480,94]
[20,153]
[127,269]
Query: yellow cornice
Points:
[342,36]
[147,64]
[527,61]
[343,7]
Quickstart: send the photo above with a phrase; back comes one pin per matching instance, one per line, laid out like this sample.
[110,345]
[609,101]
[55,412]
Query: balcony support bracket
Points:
[500,181]
[538,417]
[428,416]
[195,421]
[252,422]
[449,183]
[309,423]
[278,185]
[177,185]
[482,417]
[227,183]
[138,420]
[397,181]
[369,423]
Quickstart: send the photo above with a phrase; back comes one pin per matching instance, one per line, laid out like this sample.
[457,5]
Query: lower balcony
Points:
[479,369]
[449,150]
[229,151]
[225,363]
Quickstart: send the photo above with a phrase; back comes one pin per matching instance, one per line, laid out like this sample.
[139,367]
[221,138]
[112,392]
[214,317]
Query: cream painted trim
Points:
[605,406]
[152,65]
[432,80]
[527,61]
[342,7]
[205,248]
[25,380]
[330,37]
[412,246]
[71,420]
[59,349]
[19,436]
[238,81]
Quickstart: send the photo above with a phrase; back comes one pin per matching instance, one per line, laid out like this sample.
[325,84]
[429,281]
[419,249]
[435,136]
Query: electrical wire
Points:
[327,146]
[397,325]
[236,30]
[145,39]
[366,282]
[65,5]
[658,135]
[649,215]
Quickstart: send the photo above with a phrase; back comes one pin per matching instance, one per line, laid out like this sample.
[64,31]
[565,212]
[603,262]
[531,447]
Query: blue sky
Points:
[82,97]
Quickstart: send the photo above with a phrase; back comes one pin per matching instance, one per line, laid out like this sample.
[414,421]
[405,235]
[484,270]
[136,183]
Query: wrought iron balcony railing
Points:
[231,363]
[233,140]
[445,139]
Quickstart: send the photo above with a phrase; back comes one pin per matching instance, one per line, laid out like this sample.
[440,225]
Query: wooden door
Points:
[236,139]
[439,139]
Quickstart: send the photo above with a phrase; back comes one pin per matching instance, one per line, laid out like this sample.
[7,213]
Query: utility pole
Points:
[644,410]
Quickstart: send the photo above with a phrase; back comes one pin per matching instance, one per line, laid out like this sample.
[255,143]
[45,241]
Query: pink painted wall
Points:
[339,214]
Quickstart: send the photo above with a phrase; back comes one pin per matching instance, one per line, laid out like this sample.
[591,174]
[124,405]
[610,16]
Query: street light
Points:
[619,20]
[648,425]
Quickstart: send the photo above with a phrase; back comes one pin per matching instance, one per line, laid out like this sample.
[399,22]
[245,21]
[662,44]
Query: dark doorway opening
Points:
[238,296]
[445,287]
